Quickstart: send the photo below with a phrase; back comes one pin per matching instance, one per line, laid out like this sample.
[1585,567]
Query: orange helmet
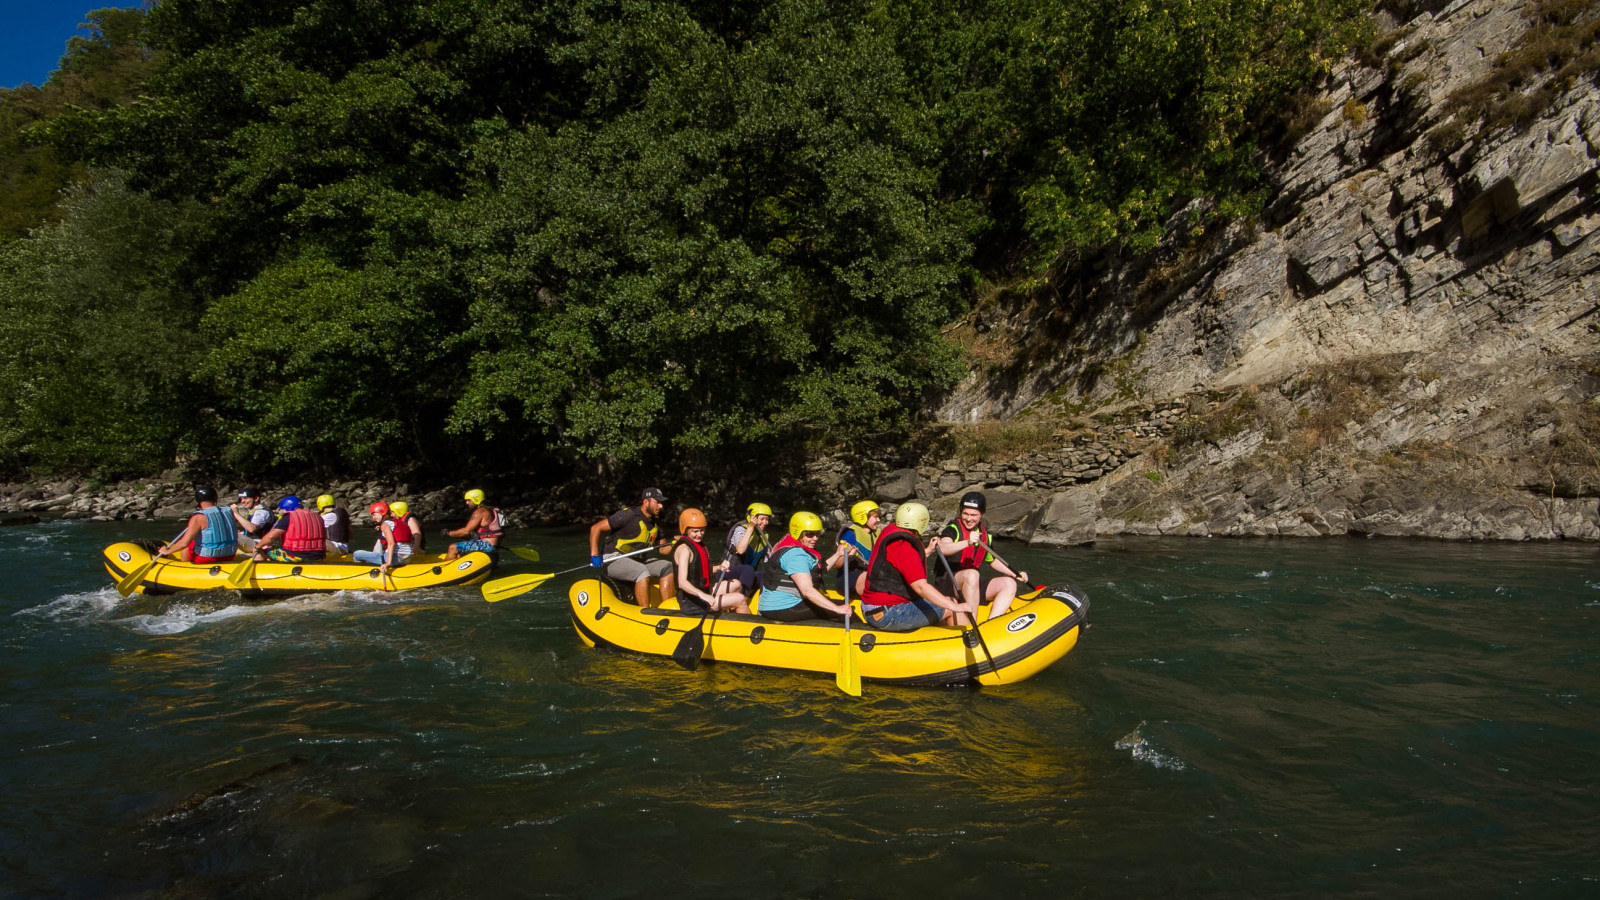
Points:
[691,518]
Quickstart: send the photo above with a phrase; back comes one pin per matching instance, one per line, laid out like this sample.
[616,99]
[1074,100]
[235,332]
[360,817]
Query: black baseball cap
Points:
[655,494]
[973,500]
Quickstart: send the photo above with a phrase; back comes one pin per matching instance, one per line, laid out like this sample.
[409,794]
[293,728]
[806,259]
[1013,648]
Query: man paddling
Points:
[629,530]
[484,526]
[210,536]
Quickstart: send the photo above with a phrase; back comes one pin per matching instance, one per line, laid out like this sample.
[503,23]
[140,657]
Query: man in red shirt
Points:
[897,595]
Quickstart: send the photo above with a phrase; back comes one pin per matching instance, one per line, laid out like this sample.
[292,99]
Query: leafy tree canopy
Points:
[422,231]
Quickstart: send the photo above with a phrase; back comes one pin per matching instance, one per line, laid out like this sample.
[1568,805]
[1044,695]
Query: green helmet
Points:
[860,511]
[912,516]
[400,508]
[474,496]
[324,501]
[757,509]
[801,522]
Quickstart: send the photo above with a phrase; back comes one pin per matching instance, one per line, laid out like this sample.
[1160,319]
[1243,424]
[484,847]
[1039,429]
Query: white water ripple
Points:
[1139,748]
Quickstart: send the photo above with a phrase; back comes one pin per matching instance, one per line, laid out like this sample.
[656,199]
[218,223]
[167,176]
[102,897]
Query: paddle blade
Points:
[527,553]
[240,576]
[691,646]
[502,588]
[130,581]
[849,677]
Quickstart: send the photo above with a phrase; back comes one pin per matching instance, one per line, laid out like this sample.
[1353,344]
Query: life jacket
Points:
[339,531]
[972,557]
[882,576]
[496,526]
[699,576]
[305,532]
[646,536]
[774,578]
[402,531]
[862,535]
[218,537]
[758,545]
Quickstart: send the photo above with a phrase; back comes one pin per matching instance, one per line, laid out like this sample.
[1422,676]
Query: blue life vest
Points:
[218,538]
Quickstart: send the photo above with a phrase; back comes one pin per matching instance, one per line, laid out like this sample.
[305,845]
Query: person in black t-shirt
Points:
[629,530]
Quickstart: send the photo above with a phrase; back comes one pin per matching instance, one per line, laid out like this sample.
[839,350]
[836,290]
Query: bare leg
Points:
[669,587]
[641,592]
[1002,591]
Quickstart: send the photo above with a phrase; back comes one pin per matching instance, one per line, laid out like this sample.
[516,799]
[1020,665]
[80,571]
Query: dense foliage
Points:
[366,234]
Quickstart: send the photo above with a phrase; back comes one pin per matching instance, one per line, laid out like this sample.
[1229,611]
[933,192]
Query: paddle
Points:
[981,642]
[240,576]
[848,678]
[503,588]
[527,553]
[693,643]
[990,550]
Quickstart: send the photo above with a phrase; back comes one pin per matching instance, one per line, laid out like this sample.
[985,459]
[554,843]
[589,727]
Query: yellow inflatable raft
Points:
[1040,628]
[272,579]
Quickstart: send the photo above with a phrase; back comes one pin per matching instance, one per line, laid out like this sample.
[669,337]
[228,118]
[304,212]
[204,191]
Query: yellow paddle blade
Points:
[501,588]
[849,677]
[527,553]
[240,576]
[130,581]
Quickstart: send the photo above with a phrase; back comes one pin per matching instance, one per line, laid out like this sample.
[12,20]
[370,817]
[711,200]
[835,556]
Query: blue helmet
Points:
[289,503]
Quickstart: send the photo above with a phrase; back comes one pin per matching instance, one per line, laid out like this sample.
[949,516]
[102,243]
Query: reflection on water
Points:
[1241,717]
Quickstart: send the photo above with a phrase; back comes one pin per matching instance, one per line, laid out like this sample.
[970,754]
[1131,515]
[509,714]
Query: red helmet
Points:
[379,509]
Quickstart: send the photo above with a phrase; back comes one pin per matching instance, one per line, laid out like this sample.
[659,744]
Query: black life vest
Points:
[882,576]
[339,531]
[699,576]
[774,578]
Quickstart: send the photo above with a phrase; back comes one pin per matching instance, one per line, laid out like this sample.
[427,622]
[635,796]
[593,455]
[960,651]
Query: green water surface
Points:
[1293,718]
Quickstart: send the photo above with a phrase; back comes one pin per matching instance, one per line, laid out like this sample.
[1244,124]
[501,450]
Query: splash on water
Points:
[1139,748]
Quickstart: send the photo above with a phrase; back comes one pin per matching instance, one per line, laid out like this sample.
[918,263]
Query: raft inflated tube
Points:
[1041,627]
[276,579]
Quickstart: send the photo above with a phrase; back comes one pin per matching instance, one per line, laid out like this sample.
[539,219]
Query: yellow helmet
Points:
[400,509]
[801,522]
[324,501]
[912,516]
[860,511]
[757,509]
[475,496]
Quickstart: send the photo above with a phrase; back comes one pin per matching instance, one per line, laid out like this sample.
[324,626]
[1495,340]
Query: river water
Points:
[1300,718]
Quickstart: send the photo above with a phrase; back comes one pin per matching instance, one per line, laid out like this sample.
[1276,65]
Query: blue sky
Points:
[34,33]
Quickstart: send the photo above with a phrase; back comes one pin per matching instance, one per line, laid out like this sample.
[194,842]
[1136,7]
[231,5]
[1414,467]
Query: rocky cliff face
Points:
[1405,343]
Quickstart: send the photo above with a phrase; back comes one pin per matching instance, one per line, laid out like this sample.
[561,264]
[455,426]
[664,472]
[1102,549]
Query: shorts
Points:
[908,616]
[745,575]
[800,612]
[278,554]
[476,547]
[338,548]
[631,569]
[986,577]
[189,554]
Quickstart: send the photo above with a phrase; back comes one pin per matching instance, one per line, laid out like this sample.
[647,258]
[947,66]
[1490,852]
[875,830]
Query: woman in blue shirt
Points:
[791,578]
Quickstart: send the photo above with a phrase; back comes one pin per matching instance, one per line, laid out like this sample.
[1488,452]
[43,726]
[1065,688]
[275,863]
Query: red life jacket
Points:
[972,557]
[700,552]
[305,533]
[402,531]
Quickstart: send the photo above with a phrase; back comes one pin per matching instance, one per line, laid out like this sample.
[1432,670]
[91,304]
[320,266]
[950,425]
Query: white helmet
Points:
[912,516]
